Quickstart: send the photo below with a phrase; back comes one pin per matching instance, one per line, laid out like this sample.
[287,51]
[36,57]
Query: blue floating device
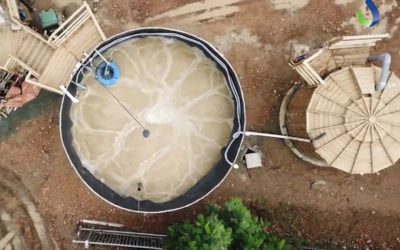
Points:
[107,74]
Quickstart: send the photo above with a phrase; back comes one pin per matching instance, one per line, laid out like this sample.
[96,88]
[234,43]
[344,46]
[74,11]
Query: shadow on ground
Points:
[37,107]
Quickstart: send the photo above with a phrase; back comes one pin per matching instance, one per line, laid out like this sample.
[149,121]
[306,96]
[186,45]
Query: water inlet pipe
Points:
[285,137]
[247,133]
[386,59]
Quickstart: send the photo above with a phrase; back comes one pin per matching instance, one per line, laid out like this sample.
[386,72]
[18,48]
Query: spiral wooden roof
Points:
[362,126]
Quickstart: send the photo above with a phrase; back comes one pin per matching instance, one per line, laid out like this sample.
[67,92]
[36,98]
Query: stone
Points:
[319,185]
[299,49]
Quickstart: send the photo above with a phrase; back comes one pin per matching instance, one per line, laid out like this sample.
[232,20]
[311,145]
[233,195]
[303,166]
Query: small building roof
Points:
[362,126]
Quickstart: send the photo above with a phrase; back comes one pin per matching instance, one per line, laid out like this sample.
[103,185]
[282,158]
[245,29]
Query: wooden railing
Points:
[32,75]
[304,69]
[13,11]
[73,23]
[337,53]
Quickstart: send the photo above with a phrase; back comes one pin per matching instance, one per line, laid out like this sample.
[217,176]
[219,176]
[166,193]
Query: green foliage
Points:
[229,227]
[206,233]
[247,230]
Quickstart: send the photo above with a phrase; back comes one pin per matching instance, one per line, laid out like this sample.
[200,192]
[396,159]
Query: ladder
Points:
[94,233]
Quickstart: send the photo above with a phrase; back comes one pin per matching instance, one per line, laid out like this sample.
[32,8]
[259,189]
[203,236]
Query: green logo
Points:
[375,15]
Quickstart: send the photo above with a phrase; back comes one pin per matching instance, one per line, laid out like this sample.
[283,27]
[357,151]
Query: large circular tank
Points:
[161,137]
[353,127]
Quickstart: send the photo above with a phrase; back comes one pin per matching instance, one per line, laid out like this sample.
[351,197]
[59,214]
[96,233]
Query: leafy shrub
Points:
[229,227]
[207,233]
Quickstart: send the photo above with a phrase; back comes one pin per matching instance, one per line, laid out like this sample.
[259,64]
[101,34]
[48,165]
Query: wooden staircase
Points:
[35,52]
[50,63]
[84,39]
[10,42]
[58,69]
[79,32]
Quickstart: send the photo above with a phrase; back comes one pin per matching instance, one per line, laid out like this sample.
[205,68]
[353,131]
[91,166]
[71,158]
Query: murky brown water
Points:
[177,93]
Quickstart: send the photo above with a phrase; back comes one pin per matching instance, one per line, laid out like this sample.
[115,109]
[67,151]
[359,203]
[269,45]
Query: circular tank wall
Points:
[207,183]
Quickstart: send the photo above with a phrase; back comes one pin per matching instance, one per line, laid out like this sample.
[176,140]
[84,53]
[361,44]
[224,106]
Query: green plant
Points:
[229,227]
[206,233]
[248,230]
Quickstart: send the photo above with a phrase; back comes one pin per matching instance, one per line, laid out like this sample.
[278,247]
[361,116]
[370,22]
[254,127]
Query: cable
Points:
[234,137]
[146,132]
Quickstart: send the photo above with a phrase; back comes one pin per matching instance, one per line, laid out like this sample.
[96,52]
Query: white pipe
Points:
[102,57]
[385,58]
[79,85]
[286,137]
[277,136]
[102,223]
[70,96]
[248,133]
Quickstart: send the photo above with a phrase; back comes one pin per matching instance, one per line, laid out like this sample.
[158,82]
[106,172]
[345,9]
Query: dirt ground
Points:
[356,211]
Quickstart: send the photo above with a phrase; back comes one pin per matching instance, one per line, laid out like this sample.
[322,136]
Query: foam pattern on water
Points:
[177,93]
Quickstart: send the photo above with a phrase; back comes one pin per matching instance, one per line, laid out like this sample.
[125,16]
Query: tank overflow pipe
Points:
[78,85]
[69,95]
[386,59]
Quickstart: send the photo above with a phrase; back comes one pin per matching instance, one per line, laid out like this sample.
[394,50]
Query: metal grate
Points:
[89,235]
